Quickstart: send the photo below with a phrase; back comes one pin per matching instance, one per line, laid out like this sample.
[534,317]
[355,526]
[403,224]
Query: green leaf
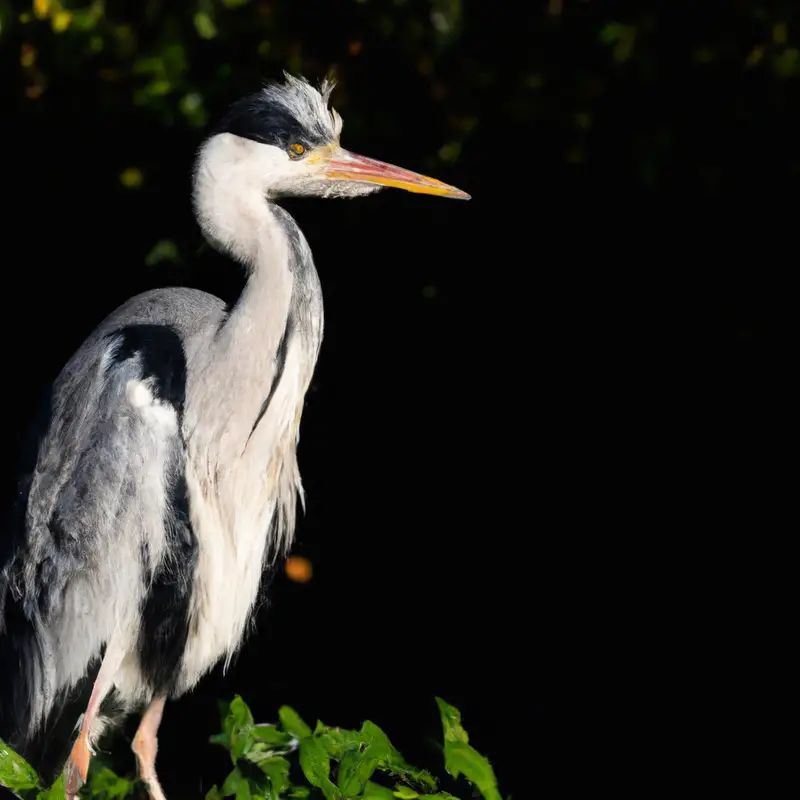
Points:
[451,722]
[158,88]
[227,720]
[243,791]
[463,759]
[191,106]
[131,178]
[241,745]
[786,63]
[212,794]
[292,722]
[277,771]
[163,250]
[314,761]
[16,773]
[374,735]
[411,774]
[450,152]
[223,739]
[204,25]
[337,741]
[610,33]
[232,783]
[270,735]
[316,766]
[237,730]
[404,792]
[368,764]
[460,758]
[375,791]
[391,760]
[55,792]
[350,778]
[440,796]
[107,784]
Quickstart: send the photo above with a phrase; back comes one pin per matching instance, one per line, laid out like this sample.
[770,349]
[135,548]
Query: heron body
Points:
[166,477]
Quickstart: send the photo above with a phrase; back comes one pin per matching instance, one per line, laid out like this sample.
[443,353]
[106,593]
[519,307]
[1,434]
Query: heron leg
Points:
[77,766]
[145,745]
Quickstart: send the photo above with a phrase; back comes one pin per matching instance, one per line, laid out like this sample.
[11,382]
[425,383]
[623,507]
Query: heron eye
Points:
[296,149]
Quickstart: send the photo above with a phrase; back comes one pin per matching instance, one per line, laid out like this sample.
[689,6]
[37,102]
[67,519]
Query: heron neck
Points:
[255,233]
[282,298]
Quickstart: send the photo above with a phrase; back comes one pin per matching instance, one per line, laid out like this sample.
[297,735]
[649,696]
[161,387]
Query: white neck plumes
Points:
[247,389]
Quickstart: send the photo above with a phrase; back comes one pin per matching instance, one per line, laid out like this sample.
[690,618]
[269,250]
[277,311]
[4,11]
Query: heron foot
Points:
[77,766]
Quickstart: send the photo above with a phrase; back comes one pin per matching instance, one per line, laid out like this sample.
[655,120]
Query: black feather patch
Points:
[161,351]
[254,117]
[165,611]
[165,615]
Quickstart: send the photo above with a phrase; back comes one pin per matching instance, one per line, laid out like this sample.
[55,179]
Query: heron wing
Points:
[103,507]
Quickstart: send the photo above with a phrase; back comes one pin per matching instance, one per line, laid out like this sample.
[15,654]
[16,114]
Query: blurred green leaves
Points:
[446,17]
[176,62]
[164,250]
[131,178]
[204,25]
[621,38]
[157,56]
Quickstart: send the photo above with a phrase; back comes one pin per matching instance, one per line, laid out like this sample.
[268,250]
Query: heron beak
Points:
[346,166]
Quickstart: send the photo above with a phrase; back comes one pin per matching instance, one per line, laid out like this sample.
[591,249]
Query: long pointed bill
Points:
[348,166]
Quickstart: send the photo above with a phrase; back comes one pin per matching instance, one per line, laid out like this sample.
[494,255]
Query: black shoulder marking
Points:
[165,612]
[280,365]
[163,359]
[254,117]
[165,609]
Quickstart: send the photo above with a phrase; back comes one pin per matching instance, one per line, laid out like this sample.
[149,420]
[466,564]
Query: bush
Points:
[290,760]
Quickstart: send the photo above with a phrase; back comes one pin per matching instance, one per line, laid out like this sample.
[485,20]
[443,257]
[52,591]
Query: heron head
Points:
[287,139]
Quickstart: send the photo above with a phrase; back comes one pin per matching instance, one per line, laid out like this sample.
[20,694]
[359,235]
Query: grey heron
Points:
[166,474]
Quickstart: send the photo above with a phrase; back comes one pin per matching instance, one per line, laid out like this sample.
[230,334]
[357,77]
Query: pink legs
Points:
[145,742]
[77,765]
[145,745]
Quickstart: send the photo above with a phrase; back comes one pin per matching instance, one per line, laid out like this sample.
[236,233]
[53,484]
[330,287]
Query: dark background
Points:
[535,444]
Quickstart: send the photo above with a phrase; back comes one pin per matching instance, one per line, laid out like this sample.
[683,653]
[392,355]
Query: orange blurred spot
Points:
[27,55]
[355,47]
[298,569]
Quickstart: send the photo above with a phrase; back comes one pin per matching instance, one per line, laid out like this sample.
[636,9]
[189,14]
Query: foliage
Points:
[334,763]
[155,56]
[565,66]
